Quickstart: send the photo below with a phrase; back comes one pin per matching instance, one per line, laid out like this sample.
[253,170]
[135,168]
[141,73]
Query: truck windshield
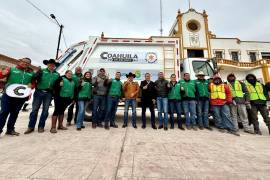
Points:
[203,66]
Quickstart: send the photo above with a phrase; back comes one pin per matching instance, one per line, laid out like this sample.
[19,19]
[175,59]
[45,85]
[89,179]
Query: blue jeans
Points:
[112,104]
[190,112]
[10,106]
[132,103]
[223,117]
[81,113]
[162,106]
[99,107]
[45,99]
[203,110]
[175,106]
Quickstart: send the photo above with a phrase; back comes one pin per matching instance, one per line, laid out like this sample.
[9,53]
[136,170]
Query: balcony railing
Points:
[243,64]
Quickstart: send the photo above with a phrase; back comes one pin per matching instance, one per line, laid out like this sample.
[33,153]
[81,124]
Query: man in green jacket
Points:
[189,101]
[115,93]
[76,78]
[202,94]
[11,106]
[45,79]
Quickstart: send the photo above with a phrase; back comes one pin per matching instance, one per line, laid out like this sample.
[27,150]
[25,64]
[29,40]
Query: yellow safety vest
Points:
[217,91]
[256,92]
[237,89]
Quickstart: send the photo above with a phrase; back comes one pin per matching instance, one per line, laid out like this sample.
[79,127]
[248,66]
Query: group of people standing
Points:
[228,102]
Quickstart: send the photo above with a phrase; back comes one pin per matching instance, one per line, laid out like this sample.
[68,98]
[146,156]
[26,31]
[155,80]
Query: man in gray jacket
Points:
[241,100]
[100,91]
[162,90]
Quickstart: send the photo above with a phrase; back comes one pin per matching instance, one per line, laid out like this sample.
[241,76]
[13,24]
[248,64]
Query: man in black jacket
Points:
[148,98]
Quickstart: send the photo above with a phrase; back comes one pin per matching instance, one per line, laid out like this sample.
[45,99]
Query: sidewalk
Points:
[133,154]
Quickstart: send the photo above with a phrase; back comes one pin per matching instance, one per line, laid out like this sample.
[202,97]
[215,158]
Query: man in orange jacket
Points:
[220,98]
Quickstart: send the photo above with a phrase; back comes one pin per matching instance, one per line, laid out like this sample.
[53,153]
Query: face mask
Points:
[217,81]
[231,80]
[252,81]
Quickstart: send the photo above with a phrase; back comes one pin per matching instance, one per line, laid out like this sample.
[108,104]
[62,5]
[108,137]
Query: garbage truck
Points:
[140,56]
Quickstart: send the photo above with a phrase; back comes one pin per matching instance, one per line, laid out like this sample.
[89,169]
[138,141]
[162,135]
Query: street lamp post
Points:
[60,34]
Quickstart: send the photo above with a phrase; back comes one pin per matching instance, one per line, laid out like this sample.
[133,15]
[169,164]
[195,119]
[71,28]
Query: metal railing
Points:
[243,64]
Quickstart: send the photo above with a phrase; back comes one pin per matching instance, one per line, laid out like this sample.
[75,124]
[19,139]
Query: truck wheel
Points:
[88,111]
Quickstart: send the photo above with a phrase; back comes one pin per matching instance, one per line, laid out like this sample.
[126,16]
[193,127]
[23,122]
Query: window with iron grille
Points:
[253,56]
[235,56]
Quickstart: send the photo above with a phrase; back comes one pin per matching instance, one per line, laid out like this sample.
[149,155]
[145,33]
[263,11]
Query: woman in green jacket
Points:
[64,94]
[84,95]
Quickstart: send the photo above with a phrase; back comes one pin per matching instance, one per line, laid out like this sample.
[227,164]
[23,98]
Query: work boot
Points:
[94,125]
[181,127]
[53,128]
[29,130]
[41,130]
[107,127]
[60,123]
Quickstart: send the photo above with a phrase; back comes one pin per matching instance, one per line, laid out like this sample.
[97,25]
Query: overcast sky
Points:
[26,32]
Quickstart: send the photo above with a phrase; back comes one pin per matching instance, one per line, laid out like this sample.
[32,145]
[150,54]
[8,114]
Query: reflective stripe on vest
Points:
[256,92]
[217,91]
[236,89]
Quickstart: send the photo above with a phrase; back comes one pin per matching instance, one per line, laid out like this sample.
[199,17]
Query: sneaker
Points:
[258,132]
[209,128]
[82,126]
[249,132]
[41,130]
[13,133]
[195,128]
[234,133]
[114,125]
[201,128]
[188,128]
[29,130]
[165,128]
[160,127]
[222,130]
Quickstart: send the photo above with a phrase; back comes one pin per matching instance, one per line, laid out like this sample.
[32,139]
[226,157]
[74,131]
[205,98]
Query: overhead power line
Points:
[48,17]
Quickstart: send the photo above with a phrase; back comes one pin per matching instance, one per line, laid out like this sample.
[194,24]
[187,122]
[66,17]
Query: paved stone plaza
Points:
[133,154]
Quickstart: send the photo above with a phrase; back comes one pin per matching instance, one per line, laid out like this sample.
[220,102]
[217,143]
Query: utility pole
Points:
[161,18]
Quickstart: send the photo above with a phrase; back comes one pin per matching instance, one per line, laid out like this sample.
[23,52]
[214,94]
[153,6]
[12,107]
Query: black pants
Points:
[70,112]
[10,106]
[151,107]
[61,104]
[254,115]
